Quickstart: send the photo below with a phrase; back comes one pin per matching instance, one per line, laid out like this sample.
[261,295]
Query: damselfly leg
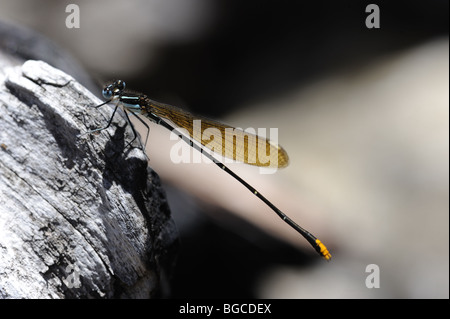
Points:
[135,134]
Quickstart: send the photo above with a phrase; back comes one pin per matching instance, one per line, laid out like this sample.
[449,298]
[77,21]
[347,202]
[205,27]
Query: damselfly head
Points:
[113,89]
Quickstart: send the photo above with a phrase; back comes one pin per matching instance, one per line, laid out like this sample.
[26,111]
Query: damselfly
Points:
[174,119]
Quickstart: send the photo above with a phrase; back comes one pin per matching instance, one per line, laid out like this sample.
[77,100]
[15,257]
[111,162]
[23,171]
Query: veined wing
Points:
[222,139]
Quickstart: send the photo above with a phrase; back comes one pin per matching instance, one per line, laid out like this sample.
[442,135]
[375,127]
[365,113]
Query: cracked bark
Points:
[81,216]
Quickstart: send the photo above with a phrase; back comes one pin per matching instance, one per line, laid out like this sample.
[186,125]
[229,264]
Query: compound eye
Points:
[120,85]
[107,93]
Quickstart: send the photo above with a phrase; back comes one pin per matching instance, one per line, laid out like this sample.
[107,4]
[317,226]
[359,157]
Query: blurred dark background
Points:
[220,57]
[240,52]
[254,50]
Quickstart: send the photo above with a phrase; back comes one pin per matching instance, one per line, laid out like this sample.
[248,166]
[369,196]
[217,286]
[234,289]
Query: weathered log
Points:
[81,215]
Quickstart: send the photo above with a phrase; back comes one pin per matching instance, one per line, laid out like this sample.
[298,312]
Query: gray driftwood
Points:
[80,215]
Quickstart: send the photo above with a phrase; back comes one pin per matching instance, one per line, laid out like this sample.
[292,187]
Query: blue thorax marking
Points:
[131,103]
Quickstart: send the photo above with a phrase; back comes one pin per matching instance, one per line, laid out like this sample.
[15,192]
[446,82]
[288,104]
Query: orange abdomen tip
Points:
[323,250]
